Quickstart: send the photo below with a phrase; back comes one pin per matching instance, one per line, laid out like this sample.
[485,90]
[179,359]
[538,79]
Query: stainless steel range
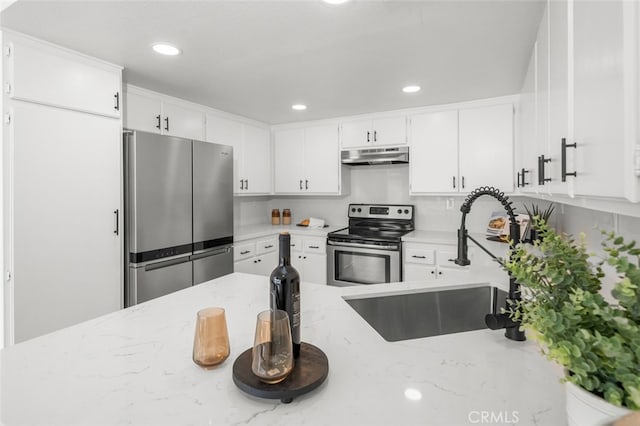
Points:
[369,251]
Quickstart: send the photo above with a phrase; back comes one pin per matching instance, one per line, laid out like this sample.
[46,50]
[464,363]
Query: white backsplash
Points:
[385,184]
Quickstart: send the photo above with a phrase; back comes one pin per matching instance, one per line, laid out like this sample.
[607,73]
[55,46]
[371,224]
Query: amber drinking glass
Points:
[211,342]
[272,349]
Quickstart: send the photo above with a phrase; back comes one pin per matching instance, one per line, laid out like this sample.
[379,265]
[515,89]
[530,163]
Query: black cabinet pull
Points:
[314,247]
[433,272]
[419,257]
[566,145]
[300,184]
[117,96]
[541,167]
[368,140]
[245,252]
[241,184]
[375,135]
[306,184]
[117,213]
[166,122]
[269,246]
[158,125]
[521,178]
[518,179]
[454,182]
[439,272]
[246,184]
[462,182]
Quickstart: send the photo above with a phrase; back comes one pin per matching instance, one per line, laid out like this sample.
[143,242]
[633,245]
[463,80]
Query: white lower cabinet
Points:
[308,256]
[258,256]
[427,262]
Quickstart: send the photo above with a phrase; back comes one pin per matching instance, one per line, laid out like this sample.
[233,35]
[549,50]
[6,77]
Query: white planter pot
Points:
[587,409]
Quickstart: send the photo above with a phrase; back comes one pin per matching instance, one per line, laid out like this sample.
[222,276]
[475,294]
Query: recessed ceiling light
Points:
[411,89]
[299,107]
[165,49]
[335,1]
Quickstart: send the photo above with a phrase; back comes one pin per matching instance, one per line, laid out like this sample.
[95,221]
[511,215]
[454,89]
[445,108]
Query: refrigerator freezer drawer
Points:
[207,266]
[157,279]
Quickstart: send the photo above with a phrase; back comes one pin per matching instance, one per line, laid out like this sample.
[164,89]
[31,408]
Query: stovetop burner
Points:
[376,223]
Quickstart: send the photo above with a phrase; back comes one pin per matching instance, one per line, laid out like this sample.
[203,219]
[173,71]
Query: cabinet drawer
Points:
[244,251]
[426,256]
[315,245]
[266,246]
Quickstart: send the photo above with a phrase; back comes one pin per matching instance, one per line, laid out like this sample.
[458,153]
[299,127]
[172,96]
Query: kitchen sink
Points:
[428,313]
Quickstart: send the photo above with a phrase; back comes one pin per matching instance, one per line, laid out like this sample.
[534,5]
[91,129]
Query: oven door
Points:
[355,264]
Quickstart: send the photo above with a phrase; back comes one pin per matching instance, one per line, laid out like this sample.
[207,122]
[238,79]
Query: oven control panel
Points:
[381,211]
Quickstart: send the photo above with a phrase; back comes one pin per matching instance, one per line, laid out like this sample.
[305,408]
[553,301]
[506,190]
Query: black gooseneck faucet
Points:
[494,320]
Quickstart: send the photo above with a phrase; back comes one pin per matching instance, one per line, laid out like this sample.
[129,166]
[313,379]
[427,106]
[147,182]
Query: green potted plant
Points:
[535,211]
[596,341]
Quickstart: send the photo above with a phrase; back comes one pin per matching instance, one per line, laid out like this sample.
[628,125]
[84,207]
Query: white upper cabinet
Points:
[251,153]
[308,160]
[255,157]
[598,98]
[459,150]
[526,173]
[182,122]
[486,147]
[155,113]
[434,152]
[391,131]
[54,76]
[289,170]
[586,52]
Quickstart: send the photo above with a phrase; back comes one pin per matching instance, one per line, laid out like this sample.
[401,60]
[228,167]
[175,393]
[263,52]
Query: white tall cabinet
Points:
[62,188]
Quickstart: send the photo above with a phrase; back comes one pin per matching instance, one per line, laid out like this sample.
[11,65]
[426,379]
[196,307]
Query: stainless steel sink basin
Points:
[428,313]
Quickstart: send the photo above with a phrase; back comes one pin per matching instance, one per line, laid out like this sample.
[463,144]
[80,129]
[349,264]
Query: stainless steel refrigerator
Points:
[178,214]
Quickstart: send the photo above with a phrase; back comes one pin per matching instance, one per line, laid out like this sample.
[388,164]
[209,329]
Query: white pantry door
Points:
[66,190]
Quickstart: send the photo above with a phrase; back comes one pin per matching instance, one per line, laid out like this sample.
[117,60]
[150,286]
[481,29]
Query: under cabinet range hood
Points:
[364,157]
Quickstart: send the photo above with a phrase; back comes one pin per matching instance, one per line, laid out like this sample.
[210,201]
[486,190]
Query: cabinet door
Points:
[356,134]
[182,122]
[66,251]
[315,268]
[266,263]
[227,132]
[528,151]
[434,152]
[322,159]
[542,99]
[47,75]
[415,272]
[289,169]
[256,160]
[598,103]
[558,93]
[142,113]
[486,147]
[390,131]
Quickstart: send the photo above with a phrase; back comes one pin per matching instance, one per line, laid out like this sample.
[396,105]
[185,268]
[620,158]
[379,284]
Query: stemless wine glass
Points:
[211,342]
[272,349]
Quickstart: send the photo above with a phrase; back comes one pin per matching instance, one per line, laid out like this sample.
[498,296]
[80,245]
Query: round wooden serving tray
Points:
[310,371]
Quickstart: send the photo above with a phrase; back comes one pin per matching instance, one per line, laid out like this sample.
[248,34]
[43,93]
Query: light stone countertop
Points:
[249,232]
[134,367]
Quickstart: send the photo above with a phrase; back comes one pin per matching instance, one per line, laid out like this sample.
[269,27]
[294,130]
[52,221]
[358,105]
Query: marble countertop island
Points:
[134,367]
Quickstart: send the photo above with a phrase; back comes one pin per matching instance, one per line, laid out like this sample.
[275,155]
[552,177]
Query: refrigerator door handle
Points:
[218,252]
[160,265]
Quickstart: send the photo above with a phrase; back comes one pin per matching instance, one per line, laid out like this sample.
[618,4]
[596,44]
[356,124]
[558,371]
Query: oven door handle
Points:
[366,246]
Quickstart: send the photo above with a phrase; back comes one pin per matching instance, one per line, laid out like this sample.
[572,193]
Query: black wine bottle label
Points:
[285,290]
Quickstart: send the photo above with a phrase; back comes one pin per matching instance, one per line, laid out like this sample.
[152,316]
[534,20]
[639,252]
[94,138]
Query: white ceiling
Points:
[258,58]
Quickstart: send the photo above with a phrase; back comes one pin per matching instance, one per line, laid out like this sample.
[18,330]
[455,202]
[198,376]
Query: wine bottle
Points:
[285,290]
